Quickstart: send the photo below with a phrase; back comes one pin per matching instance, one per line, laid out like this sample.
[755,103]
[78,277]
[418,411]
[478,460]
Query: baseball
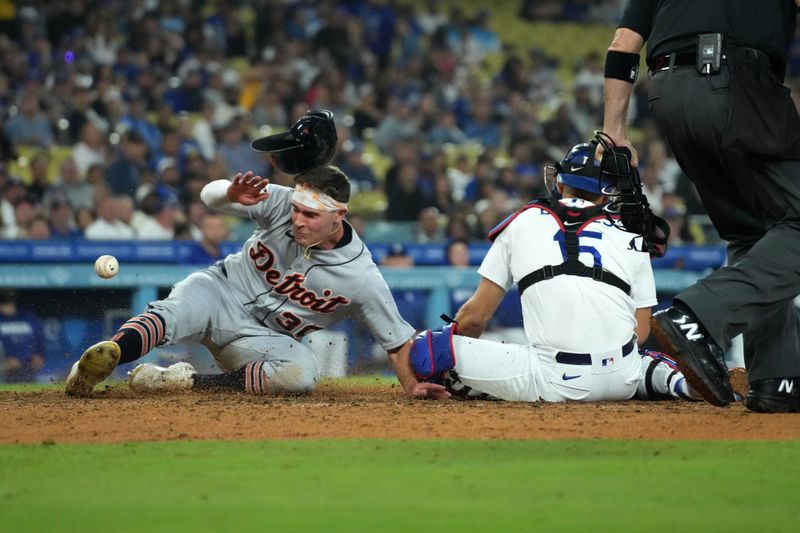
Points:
[106,266]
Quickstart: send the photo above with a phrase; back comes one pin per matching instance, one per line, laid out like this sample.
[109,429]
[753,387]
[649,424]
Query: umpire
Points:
[717,94]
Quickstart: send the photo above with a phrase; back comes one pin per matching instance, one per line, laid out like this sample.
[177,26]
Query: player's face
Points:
[311,226]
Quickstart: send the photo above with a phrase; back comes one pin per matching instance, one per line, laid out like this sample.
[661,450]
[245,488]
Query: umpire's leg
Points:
[755,293]
[754,205]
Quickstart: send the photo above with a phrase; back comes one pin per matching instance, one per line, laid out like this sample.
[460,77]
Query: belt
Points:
[671,60]
[571,358]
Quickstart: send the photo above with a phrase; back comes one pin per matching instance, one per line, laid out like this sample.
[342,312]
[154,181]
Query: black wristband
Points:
[622,66]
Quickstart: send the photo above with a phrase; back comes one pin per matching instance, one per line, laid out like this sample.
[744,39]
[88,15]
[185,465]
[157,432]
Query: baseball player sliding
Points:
[302,270]
[586,289]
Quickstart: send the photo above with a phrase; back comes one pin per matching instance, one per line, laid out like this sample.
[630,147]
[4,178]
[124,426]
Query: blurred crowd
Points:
[116,113]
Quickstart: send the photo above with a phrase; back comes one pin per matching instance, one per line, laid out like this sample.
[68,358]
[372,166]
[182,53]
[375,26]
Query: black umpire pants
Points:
[755,206]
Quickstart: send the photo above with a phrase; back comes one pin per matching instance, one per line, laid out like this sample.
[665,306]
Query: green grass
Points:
[377,485]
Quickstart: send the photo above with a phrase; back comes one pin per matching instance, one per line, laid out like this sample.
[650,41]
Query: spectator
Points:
[590,77]
[485,38]
[62,225]
[136,120]
[124,174]
[29,126]
[163,215]
[38,228]
[544,83]
[22,339]
[71,187]
[25,209]
[367,114]
[188,96]
[431,18]
[445,130]
[108,226]
[40,176]
[458,253]
[406,199]
[481,127]
[8,225]
[84,217]
[234,149]
[83,108]
[460,175]
[353,164]
[203,131]
[429,227]
[92,149]
[215,231]
[673,209]
[398,124]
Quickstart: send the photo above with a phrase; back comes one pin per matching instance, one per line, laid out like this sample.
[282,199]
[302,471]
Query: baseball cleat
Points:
[698,356]
[95,365]
[148,377]
[460,391]
[777,395]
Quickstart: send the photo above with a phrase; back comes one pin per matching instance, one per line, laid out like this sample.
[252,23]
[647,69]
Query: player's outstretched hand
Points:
[248,189]
[428,391]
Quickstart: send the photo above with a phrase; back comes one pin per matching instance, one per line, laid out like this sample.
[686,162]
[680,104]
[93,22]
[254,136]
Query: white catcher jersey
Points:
[572,313]
[295,295]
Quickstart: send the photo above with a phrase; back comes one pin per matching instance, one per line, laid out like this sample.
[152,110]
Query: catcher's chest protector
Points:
[571,221]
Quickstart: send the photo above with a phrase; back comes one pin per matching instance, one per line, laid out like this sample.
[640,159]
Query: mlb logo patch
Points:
[608,361]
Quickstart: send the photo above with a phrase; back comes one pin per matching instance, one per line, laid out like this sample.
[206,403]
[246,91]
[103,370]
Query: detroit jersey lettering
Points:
[295,295]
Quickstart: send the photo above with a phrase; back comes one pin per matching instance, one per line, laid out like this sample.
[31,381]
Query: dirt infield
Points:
[363,411]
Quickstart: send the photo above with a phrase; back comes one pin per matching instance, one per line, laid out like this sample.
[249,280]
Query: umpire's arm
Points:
[617,94]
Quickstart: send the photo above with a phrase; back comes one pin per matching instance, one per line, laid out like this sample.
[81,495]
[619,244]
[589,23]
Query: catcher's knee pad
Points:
[432,353]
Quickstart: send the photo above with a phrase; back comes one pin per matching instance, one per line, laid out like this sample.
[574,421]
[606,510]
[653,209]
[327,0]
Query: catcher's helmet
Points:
[579,170]
[311,142]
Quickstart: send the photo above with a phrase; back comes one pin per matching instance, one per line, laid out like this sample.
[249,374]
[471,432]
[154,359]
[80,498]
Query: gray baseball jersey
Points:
[295,295]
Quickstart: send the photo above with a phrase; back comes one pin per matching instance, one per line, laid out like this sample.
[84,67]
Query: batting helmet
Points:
[579,170]
[311,142]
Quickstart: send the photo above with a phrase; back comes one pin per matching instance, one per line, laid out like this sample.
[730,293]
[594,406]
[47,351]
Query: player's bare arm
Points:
[642,329]
[476,312]
[617,95]
[413,387]
[248,189]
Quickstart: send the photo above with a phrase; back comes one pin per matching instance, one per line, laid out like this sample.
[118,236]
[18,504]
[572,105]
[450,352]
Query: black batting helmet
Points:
[311,142]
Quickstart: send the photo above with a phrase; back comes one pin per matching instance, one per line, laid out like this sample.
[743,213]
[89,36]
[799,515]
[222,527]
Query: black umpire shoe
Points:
[699,358]
[780,395]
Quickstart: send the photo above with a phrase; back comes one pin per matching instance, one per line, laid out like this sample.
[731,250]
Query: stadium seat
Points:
[368,204]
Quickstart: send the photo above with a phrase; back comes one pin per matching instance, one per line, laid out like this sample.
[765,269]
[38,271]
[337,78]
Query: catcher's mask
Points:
[579,170]
[311,142]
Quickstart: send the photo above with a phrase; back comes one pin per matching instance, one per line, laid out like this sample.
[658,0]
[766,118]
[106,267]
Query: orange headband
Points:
[308,196]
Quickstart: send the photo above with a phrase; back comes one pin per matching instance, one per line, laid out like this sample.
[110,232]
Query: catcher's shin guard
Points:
[432,353]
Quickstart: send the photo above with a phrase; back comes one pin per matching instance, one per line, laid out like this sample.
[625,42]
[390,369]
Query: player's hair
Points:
[574,192]
[328,179]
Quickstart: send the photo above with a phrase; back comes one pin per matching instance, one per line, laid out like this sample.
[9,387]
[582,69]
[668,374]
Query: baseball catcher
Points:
[579,258]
